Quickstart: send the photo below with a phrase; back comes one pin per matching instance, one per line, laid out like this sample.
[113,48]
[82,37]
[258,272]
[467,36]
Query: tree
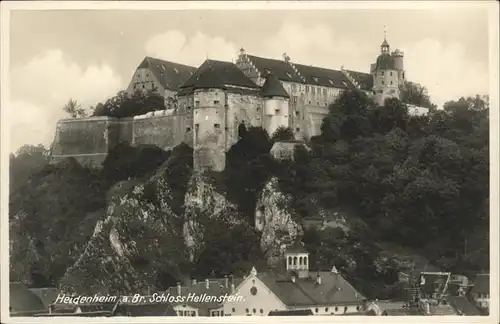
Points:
[415,94]
[283,133]
[74,109]
[28,160]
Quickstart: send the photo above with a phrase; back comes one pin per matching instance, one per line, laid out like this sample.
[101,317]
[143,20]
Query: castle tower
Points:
[276,105]
[297,260]
[386,73]
[209,100]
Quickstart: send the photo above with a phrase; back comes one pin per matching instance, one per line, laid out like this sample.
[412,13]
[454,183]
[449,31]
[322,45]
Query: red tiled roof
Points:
[334,289]
[365,80]
[170,75]
[273,87]
[281,69]
[24,300]
[324,77]
[481,284]
[218,74]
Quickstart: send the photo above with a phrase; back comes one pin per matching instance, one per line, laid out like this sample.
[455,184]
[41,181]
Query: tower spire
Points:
[385,32]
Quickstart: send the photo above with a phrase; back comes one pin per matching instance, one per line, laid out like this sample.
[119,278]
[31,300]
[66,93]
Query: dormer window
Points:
[176,71]
[331,82]
[344,83]
[267,71]
[289,75]
[315,79]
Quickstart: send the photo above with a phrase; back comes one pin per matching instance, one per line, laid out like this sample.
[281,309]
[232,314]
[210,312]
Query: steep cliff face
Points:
[139,240]
[203,203]
[274,219]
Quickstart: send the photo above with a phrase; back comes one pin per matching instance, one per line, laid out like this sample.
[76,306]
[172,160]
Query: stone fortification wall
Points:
[89,139]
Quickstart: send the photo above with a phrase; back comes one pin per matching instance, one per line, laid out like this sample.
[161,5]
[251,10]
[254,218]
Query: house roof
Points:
[385,62]
[298,312]
[170,75]
[481,284]
[334,289]
[273,88]
[462,305]
[365,80]
[216,287]
[281,69]
[46,295]
[24,300]
[324,77]
[218,74]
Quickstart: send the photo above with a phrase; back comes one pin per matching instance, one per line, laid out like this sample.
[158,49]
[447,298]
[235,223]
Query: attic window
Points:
[331,82]
[315,79]
[289,75]
[176,71]
[345,84]
[267,71]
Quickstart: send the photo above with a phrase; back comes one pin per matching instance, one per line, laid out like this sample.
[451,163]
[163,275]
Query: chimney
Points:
[226,282]
[293,278]
[193,282]
[207,283]
[179,290]
[318,279]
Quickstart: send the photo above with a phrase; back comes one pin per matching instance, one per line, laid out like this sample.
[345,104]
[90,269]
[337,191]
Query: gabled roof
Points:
[481,284]
[463,306]
[273,88]
[218,74]
[324,77]
[22,300]
[170,75]
[46,295]
[365,80]
[333,289]
[281,69]
[216,287]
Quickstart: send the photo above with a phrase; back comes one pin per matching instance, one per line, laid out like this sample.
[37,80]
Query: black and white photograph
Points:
[248,159]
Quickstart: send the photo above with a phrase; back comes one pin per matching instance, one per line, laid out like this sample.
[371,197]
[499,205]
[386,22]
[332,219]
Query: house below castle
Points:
[209,106]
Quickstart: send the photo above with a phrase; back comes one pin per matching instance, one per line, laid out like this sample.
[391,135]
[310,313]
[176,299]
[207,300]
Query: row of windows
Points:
[301,260]
[186,313]
[390,73]
[337,309]
[197,127]
[253,310]
[216,313]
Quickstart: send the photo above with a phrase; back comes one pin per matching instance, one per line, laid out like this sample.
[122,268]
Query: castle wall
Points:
[242,108]
[86,139]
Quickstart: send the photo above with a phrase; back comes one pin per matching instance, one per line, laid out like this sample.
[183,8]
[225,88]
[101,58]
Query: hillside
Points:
[394,188]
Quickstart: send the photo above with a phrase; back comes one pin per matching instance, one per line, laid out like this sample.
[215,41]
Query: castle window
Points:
[217,126]
[300,260]
[382,73]
[390,73]
[391,82]
[216,102]
[295,261]
[289,260]
[383,82]
[277,111]
[307,89]
[324,92]
[143,86]
[336,309]
[188,108]
[317,102]
[305,260]
[403,75]
[297,129]
[297,113]
[188,129]
[316,310]
[326,309]
[309,101]
[312,90]
[197,102]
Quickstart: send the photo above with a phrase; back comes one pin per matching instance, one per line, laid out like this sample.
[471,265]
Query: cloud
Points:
[175,46]
[445,70]
[40,88]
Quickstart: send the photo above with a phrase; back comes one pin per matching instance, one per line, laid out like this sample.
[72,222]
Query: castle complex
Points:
[209,106]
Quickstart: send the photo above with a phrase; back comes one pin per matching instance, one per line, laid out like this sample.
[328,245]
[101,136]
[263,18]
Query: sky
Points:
[91,55]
